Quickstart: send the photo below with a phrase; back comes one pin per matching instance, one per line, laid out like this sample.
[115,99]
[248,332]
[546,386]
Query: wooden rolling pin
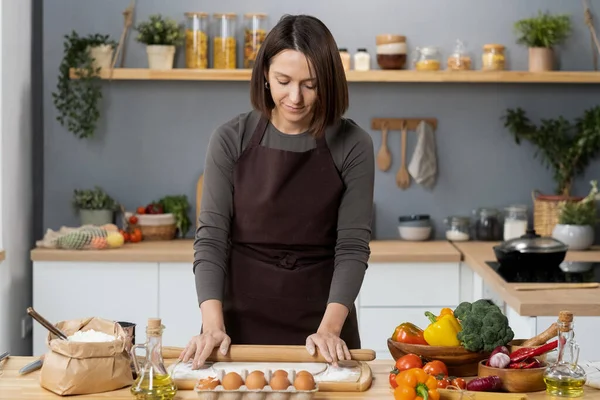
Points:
[258,353]
[543,337]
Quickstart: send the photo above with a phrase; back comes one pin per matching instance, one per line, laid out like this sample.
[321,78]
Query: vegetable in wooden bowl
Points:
[516,344]
[516,380]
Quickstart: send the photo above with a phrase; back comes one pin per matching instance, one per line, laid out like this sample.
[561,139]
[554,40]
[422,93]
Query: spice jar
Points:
[458,228]
[460,60]
[391,51]
[515,222]
[196,40]
[255,32]
[224,43]
[493,57]
[428,59]
[362,60]
[345,58]
[487,225]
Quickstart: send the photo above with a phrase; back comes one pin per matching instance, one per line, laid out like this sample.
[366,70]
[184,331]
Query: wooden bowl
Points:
[516,380]
[515,345]
[460,362]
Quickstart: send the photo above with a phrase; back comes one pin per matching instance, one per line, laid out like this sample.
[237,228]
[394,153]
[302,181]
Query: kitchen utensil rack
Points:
[396,124]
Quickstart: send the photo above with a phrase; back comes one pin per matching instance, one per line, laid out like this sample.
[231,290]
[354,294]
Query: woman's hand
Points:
[200,346]
[330,346]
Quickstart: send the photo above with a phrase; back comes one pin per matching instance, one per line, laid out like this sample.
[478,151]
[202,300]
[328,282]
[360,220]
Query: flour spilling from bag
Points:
[91,336]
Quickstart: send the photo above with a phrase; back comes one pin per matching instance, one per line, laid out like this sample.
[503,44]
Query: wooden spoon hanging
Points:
[402,177]
[384,157]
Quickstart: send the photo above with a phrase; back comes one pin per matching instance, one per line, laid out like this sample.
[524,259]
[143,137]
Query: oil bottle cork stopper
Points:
[154,323]
[565,316]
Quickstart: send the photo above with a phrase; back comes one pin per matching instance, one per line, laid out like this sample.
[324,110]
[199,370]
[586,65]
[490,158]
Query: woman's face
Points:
[293,88]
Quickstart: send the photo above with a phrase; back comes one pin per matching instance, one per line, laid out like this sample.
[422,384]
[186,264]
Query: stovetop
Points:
[567,272]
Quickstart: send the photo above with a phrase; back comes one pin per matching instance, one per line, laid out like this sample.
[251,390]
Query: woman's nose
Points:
[296,94]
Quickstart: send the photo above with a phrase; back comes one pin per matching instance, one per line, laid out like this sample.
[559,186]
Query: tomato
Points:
[409,361]
[392,378]
[436,367]
[443,382]
[459,383]
[141,210]
[133,220]
[126,236]
[136,235]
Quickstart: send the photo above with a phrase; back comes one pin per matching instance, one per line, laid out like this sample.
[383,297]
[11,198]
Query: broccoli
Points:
[484,326]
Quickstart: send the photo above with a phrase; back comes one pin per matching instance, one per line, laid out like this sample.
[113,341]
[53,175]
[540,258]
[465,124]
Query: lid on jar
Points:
[486,211]
[256,15]
[388,38]
[225,15]
[195,14]
[493,46]
[343,50]
[415,217]
[362,49]
[428,50]
[531,242]
[516,207]
[458,219]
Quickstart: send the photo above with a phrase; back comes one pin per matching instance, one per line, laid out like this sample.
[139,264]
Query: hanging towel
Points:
[423,165]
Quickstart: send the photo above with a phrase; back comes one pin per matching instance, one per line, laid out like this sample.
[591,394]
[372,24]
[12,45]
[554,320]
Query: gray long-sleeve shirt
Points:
[352,151]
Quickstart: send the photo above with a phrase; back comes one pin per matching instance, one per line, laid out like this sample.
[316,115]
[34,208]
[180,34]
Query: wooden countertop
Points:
[2,255]
[181,250]
[16,387]
[582,302]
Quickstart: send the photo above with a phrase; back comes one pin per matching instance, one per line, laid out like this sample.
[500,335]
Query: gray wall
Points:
[153,135]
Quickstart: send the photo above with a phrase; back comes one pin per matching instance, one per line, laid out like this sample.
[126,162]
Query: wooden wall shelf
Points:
[408,76]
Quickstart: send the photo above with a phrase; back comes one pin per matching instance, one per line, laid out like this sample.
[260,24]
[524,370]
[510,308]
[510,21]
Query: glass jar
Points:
[255,32]
[460,60]
[391,51]
[428,58]
[345,56]
[196,40]
[458,228]
[362,60]
[487,224]
[224,43]
[493,57]
[515,222]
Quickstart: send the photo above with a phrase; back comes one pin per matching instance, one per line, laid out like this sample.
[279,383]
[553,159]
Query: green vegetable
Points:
[178,206]
[484,325]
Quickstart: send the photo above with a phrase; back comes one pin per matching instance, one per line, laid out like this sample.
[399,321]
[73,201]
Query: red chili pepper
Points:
[528,363]
[530,352]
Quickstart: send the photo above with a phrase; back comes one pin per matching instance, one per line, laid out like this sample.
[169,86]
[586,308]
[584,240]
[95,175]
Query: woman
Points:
[283,237]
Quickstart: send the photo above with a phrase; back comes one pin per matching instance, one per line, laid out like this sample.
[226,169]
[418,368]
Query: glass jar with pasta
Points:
[460,60]
[196,40]
[493,58]
[428,58]
[255,32]
[224,43]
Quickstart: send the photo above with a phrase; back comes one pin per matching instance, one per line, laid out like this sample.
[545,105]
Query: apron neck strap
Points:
[261,128]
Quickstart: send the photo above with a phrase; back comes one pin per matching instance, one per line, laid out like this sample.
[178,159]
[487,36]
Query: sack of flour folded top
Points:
[93,360]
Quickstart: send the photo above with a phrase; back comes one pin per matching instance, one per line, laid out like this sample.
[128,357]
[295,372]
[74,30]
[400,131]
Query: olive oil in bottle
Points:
[565,377]
[153,382]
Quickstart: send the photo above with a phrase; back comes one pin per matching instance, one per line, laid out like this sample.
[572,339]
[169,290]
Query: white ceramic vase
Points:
[102,55]
[577,237]
[160,56]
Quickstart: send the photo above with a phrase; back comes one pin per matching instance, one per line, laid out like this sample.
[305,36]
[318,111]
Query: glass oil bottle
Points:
[153,382]
[565,377]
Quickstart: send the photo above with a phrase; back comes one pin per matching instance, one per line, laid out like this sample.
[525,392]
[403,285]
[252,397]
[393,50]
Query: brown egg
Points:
[304,382]
[256,380]
[232,381]
[303,372]
[280,372]
[208,383]
[279,382]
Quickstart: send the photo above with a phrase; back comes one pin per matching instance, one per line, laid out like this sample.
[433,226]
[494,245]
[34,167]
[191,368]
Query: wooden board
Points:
[447,394]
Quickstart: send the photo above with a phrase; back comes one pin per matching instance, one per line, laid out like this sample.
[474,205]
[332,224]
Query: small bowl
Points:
[460,362]
[414,233]
[516,380]
[414,220]
[515,344]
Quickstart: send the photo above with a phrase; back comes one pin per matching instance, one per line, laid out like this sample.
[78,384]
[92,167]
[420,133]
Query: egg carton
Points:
[266,393]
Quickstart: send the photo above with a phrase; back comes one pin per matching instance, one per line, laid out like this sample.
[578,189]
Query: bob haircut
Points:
[312,38]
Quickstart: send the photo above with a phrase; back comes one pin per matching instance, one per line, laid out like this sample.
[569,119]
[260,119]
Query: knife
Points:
[32,366]
[4,355]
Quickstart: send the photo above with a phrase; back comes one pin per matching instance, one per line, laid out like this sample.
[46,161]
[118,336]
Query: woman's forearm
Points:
[212,315]
[334,318]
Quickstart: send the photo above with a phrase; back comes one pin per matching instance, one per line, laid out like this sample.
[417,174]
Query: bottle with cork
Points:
[565,377]
[153,382]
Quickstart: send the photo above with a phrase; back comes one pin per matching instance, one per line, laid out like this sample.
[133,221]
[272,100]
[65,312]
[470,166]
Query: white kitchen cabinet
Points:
[119,291]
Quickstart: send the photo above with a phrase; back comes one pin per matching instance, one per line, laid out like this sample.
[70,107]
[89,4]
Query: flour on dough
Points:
[346,371]
[184,371]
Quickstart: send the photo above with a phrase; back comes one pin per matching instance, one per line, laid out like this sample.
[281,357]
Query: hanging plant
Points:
[76,100]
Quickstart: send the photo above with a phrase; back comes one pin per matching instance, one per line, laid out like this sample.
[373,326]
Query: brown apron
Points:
[283,236]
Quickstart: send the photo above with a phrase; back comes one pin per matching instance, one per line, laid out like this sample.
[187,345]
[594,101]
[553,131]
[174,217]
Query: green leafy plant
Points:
[566,148]
[160,31]
[580,212]
[179,207]
[544,30]
[93,199]
[76,100]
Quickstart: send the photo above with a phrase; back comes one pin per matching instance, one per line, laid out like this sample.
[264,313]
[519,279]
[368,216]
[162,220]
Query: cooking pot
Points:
[531,251]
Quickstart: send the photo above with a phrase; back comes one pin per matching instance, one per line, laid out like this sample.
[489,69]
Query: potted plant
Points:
[564,147]
[577,220]
[161,37]
[95,206]
[76,100]
[541,34]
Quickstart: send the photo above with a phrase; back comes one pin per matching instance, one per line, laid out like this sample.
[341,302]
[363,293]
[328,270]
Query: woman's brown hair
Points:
[312,38]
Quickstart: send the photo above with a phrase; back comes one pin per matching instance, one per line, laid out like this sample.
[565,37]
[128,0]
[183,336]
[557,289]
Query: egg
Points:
[208,383]
[279,382]
[232,381]
[303,372]
[280,372]
[304,381]
[256,380]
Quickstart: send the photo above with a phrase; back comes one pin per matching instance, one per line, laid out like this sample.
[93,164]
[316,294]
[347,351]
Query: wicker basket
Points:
[158,232]
[546,210]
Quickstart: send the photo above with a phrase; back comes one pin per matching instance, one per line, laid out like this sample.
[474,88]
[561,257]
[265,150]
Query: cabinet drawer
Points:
[411,284]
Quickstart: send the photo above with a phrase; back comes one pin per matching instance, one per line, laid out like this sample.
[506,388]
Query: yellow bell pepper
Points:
[442,330]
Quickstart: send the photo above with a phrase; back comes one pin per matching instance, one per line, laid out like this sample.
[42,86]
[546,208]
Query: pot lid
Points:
[531,242]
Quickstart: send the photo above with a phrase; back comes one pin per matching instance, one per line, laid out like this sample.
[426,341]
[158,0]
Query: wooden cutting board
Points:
[447,394]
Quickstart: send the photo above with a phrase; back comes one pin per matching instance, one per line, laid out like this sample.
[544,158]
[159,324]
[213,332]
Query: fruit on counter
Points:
[114,240]
[443,330]
[133,220]
[484,326]
[141,210]
[392,378]
[154,208]
[485,384]
[134,236]
[416,384]
[409,333]
[408,361]
[450,382]
[435,368]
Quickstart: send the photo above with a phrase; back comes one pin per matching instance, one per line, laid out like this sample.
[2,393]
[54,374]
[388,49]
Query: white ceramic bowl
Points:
[414,233]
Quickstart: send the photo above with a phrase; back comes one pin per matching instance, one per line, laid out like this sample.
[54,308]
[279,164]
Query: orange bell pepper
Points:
[416,384]
[445,311]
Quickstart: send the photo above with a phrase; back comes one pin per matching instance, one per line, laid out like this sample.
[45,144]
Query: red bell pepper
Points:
[530,352]
[528,363]
[409,333]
